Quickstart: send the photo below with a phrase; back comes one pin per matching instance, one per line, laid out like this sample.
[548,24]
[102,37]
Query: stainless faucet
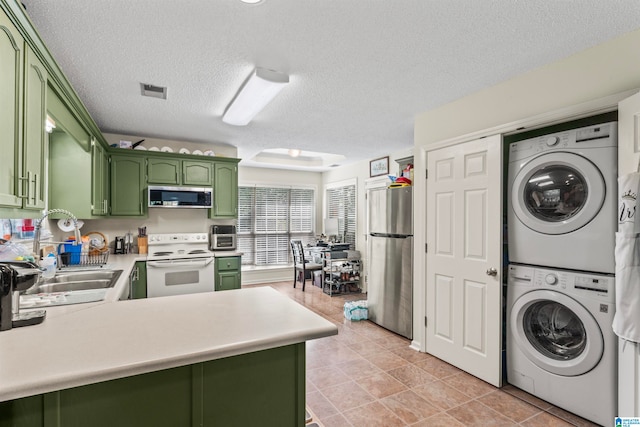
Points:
[36,237]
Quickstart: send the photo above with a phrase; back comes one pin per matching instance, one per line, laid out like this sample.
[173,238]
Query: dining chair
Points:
[300,265]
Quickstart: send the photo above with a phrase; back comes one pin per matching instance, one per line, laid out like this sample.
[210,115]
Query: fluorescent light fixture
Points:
[294,152]
[251,1]
[259,89]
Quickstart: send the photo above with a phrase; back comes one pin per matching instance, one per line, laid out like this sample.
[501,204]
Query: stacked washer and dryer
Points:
[560,286]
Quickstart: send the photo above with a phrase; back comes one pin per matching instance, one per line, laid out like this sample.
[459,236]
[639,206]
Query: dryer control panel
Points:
[595,136]
[599,286]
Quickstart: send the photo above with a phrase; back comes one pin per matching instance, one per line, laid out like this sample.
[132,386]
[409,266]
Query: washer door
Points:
[556,333]
[557,193]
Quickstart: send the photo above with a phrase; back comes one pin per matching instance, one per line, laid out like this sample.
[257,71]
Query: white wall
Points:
[610,68]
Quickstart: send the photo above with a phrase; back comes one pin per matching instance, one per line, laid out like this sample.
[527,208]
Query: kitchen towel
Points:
[626,322]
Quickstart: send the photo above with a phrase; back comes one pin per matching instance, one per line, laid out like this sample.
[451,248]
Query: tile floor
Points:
[367,376]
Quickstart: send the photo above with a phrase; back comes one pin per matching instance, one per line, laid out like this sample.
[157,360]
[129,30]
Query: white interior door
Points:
[463,268]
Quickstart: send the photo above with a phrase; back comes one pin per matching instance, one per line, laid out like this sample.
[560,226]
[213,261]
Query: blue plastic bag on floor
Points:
[355,310]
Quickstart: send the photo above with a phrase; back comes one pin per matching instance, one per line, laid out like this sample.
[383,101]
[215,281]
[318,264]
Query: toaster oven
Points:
[222,238]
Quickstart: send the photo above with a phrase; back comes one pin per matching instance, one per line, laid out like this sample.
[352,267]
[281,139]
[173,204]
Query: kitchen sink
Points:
[69,281]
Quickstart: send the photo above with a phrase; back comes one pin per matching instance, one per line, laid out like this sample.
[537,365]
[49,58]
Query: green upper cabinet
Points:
[11,63]
[163,171]
[35,137]
[178,172]
[99,179]
[225,190]
[78,165]
[127,185]
[196,173]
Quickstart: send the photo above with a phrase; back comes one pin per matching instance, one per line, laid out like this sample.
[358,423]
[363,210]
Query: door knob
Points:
[492,272]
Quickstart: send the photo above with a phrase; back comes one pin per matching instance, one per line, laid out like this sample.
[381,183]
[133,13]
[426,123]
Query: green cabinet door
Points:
[228,274]
[127,185]
[163,171]
[225,190]
[264,388]
[99,179]
[35,137]
[196,173]
[69,175]
[11,63]
[139,280]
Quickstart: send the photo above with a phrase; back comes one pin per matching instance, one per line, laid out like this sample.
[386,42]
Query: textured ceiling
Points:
[360,70]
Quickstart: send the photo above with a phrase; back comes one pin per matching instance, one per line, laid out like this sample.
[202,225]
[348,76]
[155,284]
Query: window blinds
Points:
[268,218]
[341,204]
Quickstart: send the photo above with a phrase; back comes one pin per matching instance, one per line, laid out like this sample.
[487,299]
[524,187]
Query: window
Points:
[341,204]
[268,217]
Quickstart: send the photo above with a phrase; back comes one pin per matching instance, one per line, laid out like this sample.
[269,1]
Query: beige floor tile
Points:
[381,385]
[509,406]
[475,414]
[441,395]
[359,368]
[366,348]
[409,407]
[437,367]
[327,376]
[339,362]
[469,385]
[392,341]
[347,396]
[521,394]
[336,421]
[439,420]
[572,418]
[320,406]
[373,415]
[409,354]
[411,376]
[545,419]
[386,360]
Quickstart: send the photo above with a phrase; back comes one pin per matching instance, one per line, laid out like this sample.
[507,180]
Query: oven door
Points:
[180,276]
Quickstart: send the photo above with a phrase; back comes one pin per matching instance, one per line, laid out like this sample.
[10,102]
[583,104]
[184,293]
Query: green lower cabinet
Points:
[228,274]
[139,280]
[265,388]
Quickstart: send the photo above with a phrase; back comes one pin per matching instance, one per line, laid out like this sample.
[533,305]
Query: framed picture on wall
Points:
[379,167]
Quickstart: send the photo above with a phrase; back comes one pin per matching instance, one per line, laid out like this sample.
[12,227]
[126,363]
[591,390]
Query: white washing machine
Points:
[563,198]
[560,345]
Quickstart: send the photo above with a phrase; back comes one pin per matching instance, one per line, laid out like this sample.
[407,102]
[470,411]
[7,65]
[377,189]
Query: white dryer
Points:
[562,199]
[560,345]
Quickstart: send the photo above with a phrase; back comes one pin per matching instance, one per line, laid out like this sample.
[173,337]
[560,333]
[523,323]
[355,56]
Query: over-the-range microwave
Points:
[180,197]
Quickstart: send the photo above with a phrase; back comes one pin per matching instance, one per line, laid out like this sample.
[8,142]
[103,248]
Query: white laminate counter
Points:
[88,343]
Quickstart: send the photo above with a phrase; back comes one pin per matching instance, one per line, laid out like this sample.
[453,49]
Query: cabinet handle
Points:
[35,188]
[21,194]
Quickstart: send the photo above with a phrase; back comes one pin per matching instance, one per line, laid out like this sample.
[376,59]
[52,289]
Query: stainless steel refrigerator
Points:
[390,258]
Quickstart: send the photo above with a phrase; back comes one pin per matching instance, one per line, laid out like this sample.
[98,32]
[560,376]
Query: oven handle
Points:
[174,263]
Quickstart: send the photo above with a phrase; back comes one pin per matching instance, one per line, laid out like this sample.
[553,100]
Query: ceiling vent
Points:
[153,91]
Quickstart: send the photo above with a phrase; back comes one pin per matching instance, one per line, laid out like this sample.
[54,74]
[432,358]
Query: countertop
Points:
[88,343]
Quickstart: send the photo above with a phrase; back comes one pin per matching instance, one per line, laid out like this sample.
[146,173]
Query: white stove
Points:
[178,245]
[179,263]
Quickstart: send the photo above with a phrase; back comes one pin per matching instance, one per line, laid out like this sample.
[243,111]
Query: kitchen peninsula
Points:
[232,358]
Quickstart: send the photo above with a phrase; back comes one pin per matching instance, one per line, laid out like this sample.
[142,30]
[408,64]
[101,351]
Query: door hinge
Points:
[426,174]
[425,321]
[426,248]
